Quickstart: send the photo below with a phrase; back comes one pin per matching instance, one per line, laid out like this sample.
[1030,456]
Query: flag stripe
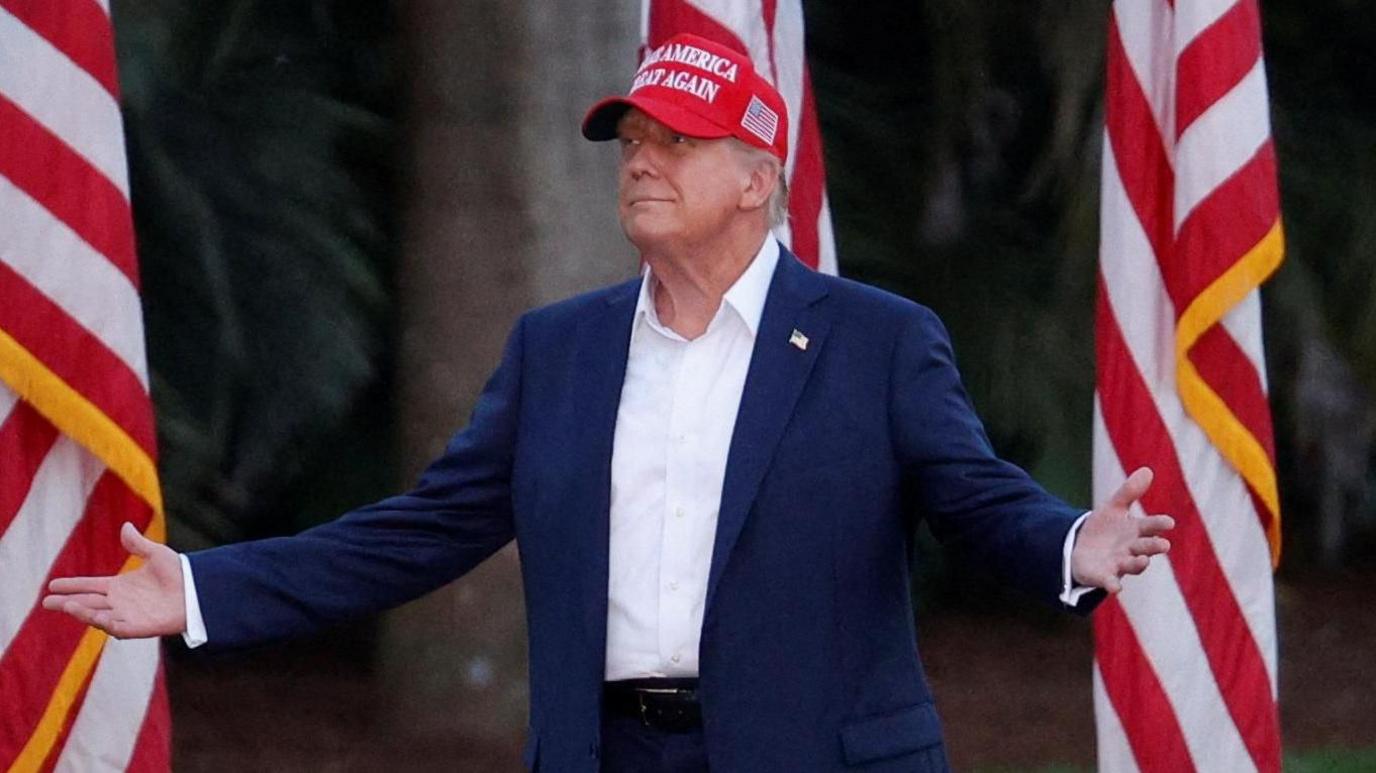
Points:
[1149,724]
[1215,61]
[1142,312]
[1191,19]
[34,659]
[81,31]
[1224,226]
[1140,40]
[52,175]
[35,537]
[1140,438]
[85,116]
[114,707]
[805,197]
[82,283]
[1223,365]
[1220,141]
[1140,157]
[76,356]
[1114,751]
[25,440]
[152,752]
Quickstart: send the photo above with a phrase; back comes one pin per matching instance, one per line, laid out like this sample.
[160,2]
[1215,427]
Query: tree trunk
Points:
[508,207]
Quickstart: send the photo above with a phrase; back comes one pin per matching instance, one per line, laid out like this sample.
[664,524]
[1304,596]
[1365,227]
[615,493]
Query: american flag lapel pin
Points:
[798,339]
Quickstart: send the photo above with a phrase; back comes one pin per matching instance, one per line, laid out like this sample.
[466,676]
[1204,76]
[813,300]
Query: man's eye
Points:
[678,139]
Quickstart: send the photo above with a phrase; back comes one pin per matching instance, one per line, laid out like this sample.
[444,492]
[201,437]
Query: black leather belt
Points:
[668,705]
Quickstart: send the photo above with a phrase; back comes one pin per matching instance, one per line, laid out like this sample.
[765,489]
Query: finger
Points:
[70,585]
[1152,525]
[134,542]
[1112,585]
[1133,565]
[1132,489]
[1149,546]
[88,600]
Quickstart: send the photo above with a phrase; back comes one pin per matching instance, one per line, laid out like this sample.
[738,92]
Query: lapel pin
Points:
[798,339]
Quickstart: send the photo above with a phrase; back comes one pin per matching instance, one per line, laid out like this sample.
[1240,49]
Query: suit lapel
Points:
[602,342]
[779,368]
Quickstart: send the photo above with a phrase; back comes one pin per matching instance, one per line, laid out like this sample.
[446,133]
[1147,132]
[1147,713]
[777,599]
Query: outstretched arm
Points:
[147,601]
[1113,542]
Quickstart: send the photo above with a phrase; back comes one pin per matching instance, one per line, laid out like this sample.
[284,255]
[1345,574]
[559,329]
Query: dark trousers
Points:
[628,746]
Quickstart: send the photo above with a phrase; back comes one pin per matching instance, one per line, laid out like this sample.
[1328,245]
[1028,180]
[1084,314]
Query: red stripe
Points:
[805,194]
[671,17]
[153,749]
[25,440]
[1227,223]
[1213,63]
[31,666]
[1152,729]
[68,186]
[76,356]
[1142,439]
[80,30]
[1143,165]
[1226,368]
[60,743]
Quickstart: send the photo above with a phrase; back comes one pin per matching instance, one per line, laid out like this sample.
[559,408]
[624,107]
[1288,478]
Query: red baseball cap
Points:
[699,88]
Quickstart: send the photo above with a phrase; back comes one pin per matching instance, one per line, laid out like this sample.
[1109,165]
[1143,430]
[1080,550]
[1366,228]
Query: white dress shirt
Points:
[673,431]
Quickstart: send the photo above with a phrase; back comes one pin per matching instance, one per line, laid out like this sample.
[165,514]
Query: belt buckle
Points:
[640,694]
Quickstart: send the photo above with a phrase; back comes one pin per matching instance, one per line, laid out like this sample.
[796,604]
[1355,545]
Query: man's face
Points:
[676,191]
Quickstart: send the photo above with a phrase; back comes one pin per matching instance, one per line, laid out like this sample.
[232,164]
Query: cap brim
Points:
[600,122]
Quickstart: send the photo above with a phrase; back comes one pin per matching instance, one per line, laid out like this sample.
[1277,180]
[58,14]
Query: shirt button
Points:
[676,657]
[673,585]
[682,438]
[680,512]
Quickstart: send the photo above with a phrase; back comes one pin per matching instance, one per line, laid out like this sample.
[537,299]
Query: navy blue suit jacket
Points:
[808,655]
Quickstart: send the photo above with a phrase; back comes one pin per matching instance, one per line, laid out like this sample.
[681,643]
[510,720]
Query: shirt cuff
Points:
[195,634]
[1071,591]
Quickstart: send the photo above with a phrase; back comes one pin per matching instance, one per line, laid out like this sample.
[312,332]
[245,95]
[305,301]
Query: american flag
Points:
[760,121]
[77,450]
[771,32]
[1185,671]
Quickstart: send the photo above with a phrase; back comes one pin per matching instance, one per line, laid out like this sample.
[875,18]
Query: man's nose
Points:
[639,161]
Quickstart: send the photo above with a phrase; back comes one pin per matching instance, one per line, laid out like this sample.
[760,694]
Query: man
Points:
[713,474]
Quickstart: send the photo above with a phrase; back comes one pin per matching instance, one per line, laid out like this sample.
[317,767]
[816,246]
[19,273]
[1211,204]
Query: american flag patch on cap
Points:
[760,121]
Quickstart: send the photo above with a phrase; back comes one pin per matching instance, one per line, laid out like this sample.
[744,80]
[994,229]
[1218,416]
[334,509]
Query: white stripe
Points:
[62,97]
[826,240]
[1115,755]
[1156,610]
[8,400]
[790,61]
[111,716]
[34,539]
[1194,16]
[1145,28]
[84,283]
[104,6]
[1243,323]
[1221,141]
[1137,296]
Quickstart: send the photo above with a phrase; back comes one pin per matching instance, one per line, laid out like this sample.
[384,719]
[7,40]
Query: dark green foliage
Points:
[261,147]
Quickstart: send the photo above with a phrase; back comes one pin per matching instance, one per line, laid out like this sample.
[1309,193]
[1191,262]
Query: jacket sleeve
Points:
[381,555]
[988,510]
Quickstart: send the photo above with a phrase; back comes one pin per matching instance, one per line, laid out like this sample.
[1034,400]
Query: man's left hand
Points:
[1113,542]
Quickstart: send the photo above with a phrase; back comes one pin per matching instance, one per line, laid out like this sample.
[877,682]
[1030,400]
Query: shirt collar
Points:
[746,297]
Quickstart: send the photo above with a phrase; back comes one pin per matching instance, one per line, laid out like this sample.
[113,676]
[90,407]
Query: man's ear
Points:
[759,185]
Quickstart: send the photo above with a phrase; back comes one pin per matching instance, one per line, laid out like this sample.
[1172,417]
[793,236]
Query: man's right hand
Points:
[149,601]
